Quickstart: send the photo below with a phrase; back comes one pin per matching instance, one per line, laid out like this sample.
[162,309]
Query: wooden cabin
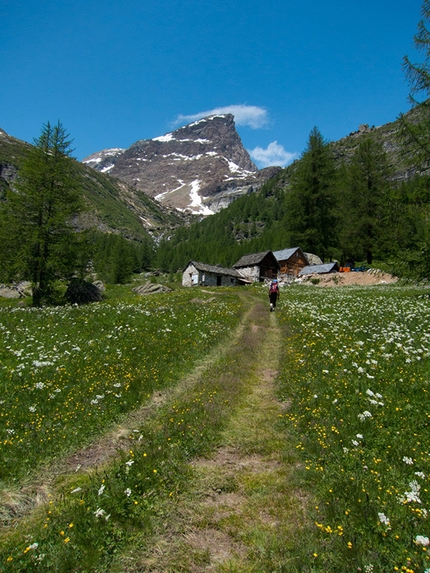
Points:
[291,261]
[258,266]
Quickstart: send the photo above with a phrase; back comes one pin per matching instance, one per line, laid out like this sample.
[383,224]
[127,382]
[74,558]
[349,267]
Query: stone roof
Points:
[216,269]
[285,254]
[250,260]
[319,269]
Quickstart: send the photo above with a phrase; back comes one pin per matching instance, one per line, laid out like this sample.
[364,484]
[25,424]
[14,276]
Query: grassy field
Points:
[313,421]
[67,372]
[356,375]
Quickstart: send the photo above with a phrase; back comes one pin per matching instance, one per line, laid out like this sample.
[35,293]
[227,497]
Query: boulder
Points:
[150,288]
[16,290]
[82,292]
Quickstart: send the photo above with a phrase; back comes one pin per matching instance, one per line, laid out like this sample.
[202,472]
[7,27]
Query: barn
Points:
[258,266]
[196,273]
[291,261]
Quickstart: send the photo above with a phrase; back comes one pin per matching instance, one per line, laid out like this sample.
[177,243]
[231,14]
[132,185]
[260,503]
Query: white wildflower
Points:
[408,461]
[102,488]
[383,519]
[422,540]
[127,492]
[413,495]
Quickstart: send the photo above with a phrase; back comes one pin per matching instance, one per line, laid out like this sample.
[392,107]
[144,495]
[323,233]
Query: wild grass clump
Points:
[356,373]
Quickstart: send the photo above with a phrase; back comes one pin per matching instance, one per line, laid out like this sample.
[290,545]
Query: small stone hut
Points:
[258,266]
[320,269]
[196,273]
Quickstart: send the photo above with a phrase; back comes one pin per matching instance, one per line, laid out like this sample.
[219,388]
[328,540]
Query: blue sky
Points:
[114,72]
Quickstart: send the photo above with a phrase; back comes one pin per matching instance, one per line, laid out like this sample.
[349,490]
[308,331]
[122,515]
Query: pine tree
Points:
[39,241]
[415,132]
[310,217]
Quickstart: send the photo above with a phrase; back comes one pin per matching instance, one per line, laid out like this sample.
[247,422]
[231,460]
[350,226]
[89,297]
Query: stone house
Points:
[258,266]
[195,274]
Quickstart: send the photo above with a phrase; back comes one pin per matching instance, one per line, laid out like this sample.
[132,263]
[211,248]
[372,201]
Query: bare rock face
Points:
[104,161]
[200,167]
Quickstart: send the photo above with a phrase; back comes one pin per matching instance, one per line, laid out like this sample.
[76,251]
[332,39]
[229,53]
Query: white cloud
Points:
[274,154]
[250,115]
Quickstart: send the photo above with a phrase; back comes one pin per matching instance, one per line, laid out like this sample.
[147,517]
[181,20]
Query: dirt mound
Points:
[370,277]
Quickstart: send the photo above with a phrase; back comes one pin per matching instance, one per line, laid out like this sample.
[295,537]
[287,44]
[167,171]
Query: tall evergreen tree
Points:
[415,132]
[38,240]
[364,198]
[310,218]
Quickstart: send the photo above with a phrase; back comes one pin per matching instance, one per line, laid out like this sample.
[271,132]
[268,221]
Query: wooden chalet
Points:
[258,266]
[291,261]
[196,273]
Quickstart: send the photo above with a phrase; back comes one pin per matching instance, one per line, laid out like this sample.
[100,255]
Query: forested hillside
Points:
[351,209]
[116,227]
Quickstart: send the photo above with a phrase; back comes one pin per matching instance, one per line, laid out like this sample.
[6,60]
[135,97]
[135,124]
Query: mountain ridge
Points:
[200,167]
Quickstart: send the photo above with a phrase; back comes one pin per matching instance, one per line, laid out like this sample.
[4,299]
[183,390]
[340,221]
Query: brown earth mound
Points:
[370,277]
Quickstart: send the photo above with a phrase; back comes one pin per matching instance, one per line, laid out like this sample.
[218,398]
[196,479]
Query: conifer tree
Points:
[364,197]
[39,242]
[415,132]
[310,217]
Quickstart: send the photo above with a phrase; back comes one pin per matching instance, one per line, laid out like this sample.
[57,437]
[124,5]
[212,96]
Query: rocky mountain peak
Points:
[200,167]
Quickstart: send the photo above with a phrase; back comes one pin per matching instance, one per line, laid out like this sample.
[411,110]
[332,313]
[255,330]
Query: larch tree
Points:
[364,199]
[39,241]
[310,219]
[415,128]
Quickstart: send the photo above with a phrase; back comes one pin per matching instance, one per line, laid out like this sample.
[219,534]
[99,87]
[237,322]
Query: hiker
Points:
[273,294]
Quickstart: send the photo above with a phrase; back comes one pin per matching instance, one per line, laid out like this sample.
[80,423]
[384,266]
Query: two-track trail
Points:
[241,509]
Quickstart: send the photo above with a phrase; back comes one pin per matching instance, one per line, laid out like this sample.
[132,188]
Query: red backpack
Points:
[273,287]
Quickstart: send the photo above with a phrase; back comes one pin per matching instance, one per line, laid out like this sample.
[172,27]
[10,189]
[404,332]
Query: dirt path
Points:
[241,498]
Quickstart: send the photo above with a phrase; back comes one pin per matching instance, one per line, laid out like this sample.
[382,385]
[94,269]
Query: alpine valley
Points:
[168,183]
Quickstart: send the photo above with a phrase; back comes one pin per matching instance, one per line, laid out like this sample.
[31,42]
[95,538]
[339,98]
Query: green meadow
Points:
[327,400]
